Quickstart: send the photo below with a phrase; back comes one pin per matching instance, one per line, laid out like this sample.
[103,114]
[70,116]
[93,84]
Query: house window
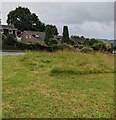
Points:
[10,31]
[36,35]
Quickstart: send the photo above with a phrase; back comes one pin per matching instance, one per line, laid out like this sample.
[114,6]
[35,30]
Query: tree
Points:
[48,35]
[53,28]
[65,35]
[23,19]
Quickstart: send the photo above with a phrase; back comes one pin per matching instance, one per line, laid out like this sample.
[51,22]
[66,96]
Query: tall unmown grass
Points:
[64,62]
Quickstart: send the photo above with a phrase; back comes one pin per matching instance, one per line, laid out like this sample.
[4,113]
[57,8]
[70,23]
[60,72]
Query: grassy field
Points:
[58,85]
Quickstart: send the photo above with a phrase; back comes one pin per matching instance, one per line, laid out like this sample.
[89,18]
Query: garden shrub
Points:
[52,41]
[80,46]
[99,46]
[86,49]
[9,40]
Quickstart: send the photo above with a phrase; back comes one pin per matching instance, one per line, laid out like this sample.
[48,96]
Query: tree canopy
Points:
[65,35]
[48,35]
[53,28]
[23,19]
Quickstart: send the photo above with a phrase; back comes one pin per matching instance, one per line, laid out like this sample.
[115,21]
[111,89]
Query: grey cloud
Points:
[70,12]
[77,12]
[92,19]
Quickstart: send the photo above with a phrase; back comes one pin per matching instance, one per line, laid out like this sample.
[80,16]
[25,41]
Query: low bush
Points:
[86,49]
[99,46]
[80,46]
[52,41]
[9,40]
[34,46]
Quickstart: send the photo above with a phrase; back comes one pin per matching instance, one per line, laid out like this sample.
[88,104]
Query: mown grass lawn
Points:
[58,85]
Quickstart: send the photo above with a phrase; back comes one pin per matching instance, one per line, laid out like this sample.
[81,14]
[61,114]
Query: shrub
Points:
[99,46]
[3,37]
[86,42]
[71,42]
[109,47]
[114,47]
[52,41]
[34,46]
[80,46]
[9,40]
[86,49]
[22,46]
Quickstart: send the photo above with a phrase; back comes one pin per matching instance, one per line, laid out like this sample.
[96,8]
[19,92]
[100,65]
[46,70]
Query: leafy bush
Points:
[9,40]
[80,46]
[109,47]
[3,37]
[114,47]
[66,46]
[86,42]
[86,49]
[95,44]
[99,46]
[52,41]
[34,46]
[71,42]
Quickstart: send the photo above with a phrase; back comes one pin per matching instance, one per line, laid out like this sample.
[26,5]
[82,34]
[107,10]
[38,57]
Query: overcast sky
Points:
[90,19]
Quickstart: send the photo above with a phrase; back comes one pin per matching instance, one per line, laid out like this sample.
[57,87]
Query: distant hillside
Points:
[108,41]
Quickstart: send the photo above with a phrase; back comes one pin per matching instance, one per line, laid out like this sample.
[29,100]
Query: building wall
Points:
[10,32]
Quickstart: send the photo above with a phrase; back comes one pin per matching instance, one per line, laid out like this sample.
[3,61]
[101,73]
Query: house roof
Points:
[77,40]
[40,34]
[7,27]
[35,32]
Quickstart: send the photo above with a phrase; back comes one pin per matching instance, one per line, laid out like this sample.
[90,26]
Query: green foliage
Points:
[109,47]
[90,42]
[23,19]
[80,46]
[71,42]
[9,40]
[3,37]
[65,35]
[95,44]
[87,49]
[82,38]
[64,46]
[48,35]
[114,47]
[31,46]
[52,41]
[53,28]
[99,46]
[86,42]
